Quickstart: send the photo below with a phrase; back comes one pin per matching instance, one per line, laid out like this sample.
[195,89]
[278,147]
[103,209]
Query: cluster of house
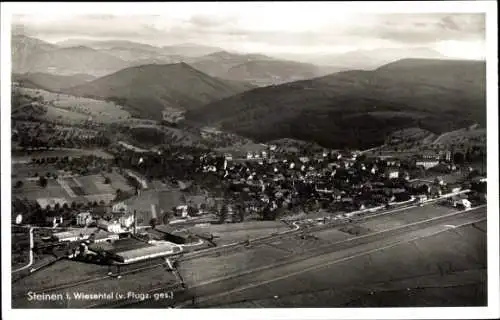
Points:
[287,180]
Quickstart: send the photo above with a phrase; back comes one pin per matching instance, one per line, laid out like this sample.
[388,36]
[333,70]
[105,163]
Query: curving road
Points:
[31,259]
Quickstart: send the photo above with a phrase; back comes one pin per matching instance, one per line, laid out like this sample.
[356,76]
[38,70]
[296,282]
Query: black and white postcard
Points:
[260,160]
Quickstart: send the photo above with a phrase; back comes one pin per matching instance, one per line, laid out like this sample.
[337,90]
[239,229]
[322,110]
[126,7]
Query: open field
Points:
[406,216]
[32,190]
[60,273]
[230,233]
[77,109]
[25,157]
[423,263]
[27,171]
[223,264]
[76,188]
[295,245]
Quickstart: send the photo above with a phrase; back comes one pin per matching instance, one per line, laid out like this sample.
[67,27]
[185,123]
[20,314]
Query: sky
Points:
[271,28]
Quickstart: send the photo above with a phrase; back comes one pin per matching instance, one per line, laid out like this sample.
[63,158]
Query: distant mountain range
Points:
[146,90]
[257,69]
[34,55]
[99,58]
[366,59]
[50,82]
[357,108]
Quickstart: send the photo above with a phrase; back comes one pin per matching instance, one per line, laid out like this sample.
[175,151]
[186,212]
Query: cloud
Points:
[431,28]
[269,29]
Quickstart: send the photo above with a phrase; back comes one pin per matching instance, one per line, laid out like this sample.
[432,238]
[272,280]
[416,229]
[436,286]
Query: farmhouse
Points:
[83,218]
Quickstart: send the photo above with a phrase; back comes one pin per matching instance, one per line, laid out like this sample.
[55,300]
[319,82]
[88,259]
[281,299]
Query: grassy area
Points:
[405,217]
[229,233]
[205,268]
[60,273]
[449,259]
[76,109]
[79,188]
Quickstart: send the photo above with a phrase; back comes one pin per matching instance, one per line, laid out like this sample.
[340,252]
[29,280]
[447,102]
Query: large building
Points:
[74,235]
[427,163]
[150,252]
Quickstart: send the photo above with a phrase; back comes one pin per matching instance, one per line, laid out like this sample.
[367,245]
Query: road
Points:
[31,259]
[214,289]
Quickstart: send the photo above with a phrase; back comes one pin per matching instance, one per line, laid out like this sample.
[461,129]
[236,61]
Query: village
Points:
[171,192]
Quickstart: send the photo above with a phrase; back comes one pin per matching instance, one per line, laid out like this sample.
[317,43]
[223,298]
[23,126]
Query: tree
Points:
[223,214]
[42,181]
[458,158]
[153,222]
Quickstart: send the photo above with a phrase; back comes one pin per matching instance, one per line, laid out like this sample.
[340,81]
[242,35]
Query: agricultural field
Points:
[60,273]
[406,216]
[82,189]
[417,270]
[76,109]
[230,233]
[207,268]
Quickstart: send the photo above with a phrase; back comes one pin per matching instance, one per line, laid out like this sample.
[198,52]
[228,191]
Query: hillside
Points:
[257,69]
[189,50]
[272,72]
[50,82]
[218,63]
[357,108]
[146,90]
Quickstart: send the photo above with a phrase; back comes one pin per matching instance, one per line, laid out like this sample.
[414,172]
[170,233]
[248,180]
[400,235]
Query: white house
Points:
[463,203]
[110,226]
[427,163]
[182,210]
[126,221]
[119,207]
[54,221]
[19,219]
[83,218]
[392,173]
